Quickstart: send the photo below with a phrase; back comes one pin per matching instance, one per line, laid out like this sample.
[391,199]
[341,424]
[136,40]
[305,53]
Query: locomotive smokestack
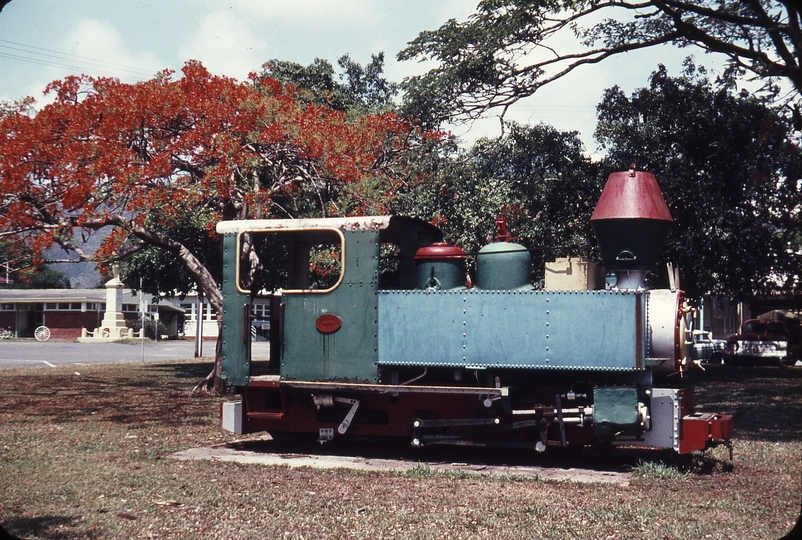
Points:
[631,222]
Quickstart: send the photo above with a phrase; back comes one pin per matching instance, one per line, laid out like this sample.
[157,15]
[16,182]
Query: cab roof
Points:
[389,226]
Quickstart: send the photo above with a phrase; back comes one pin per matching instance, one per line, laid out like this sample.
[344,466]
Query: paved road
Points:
[30,353]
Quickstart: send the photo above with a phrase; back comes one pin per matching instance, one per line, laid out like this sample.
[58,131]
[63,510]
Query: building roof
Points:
[35,296]
[52,295]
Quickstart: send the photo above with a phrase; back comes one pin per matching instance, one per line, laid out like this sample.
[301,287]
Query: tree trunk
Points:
[213,382]
[203,278]
[206,282]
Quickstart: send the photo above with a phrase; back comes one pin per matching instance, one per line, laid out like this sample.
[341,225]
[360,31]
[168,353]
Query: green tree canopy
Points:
[729,172]
[537,177]
[159,272]
[355,88]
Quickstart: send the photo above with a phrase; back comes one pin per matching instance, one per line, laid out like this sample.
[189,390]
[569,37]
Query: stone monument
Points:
[112,327]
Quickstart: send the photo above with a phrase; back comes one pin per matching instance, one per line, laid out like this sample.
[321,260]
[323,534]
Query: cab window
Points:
[308,260]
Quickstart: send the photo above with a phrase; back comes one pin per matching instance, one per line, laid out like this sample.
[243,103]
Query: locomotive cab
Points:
[319,275]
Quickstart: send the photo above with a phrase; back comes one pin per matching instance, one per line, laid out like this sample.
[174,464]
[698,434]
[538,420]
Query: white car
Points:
[703,348]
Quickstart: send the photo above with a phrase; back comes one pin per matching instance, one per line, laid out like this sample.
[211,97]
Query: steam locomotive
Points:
[374,333]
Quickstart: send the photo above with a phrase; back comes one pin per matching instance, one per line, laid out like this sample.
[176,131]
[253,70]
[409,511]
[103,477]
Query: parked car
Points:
[762,341]
[703,348]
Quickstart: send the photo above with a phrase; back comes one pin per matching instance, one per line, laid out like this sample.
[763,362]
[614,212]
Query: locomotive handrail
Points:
[246,323]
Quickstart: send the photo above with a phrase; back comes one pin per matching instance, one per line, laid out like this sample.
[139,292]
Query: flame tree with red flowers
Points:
[141,159]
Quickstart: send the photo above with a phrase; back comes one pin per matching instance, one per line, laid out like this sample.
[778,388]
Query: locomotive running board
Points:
[400,389]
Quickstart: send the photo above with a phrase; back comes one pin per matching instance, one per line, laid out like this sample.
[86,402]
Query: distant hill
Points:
[82,275]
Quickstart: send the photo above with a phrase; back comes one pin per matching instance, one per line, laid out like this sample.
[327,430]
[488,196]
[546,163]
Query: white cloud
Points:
[238,36]
[226,44]
[313,14]
[302,30]
[89,47]
[98,48]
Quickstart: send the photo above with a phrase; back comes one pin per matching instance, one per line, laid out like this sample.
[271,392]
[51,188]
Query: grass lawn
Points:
[82,457]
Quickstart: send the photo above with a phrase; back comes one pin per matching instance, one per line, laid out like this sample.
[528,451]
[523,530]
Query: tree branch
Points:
[484,64]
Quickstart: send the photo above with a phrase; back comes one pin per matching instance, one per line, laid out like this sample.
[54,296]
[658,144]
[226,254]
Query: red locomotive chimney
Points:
[631,223]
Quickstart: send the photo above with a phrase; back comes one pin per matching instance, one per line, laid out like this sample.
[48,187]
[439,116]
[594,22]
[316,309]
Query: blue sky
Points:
[42,40]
